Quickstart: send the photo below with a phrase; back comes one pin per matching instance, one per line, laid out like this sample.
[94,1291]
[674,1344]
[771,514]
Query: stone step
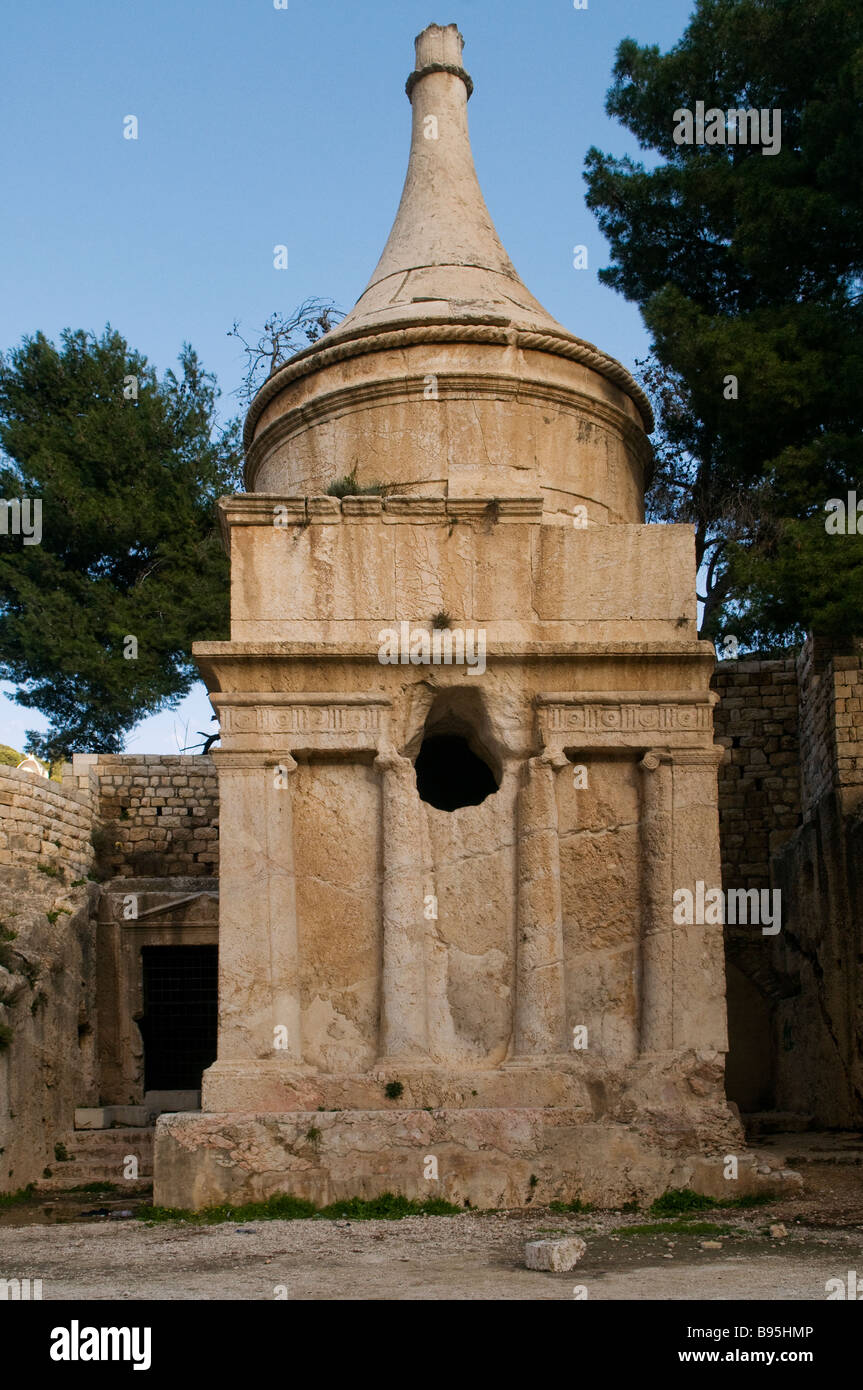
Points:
[777,1122]
[111,1117]
[99,1156]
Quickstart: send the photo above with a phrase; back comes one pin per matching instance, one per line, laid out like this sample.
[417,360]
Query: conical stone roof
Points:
[444,257]
[444,274]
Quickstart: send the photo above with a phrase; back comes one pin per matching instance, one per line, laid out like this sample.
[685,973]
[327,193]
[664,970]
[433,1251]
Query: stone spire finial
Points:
[439,43]
[443,257]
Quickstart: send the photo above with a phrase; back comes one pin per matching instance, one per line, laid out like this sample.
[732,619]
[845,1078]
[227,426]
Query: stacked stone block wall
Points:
[157,814]
[44,824]
[757,721]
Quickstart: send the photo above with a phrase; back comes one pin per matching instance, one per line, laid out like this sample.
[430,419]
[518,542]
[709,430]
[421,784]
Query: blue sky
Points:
[259,127]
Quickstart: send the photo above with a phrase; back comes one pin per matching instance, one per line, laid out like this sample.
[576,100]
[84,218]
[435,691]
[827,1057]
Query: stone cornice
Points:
[275,509]
[700,652]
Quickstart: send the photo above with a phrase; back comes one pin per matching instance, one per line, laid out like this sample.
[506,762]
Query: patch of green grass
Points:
[632,1205]
[393,1090]
[49,870]
[11,1199]
[279,1208]
[283,1207]
[577,1206]
[61,1153]
[52,916]
[78,882]
[96,1187]
[680,1199]
[754,1199]
[388,1207]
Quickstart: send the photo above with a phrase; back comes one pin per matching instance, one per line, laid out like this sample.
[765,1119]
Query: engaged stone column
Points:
[540,1009]
[404,1025]
[657,961]
[699,1018]
[259,1002]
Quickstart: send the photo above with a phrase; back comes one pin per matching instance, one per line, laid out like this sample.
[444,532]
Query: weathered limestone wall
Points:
[47,970]
[791,809]
[819,954]
[69,984]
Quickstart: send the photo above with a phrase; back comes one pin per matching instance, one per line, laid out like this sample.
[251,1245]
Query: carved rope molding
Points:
[318,356]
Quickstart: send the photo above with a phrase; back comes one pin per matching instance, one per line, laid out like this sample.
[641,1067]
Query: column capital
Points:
[389,760]
[555,758]
[654,758]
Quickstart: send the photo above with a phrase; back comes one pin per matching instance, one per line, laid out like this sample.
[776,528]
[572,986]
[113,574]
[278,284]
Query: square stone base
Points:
[482,1158]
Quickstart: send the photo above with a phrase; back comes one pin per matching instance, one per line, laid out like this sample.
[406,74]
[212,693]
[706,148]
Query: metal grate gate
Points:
[180,1019]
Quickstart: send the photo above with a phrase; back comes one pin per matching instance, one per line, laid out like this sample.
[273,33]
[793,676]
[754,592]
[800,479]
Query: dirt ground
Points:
[84,1246]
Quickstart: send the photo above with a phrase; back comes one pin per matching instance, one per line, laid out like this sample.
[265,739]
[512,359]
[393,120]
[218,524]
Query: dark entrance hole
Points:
[180,1020]
[450,774]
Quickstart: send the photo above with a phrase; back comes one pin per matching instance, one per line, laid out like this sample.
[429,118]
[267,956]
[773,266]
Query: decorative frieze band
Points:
[624,719]
[307,722]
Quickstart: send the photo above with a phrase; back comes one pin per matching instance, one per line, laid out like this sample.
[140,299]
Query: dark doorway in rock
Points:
[450,774]
[180,1021]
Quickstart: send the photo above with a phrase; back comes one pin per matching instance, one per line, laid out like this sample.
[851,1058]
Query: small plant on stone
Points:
[442,620]
[393,1090]
[62,1154]
[348,486]
[313,1134]
[49,870]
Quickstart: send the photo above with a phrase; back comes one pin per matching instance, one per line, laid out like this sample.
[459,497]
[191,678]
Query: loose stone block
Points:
[555,1255]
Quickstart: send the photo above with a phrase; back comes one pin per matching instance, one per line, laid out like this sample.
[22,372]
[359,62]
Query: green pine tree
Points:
[128,469]
[748,271]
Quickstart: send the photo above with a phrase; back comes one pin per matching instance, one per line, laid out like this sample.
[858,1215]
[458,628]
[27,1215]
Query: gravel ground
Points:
[86,1251]
[463,1257]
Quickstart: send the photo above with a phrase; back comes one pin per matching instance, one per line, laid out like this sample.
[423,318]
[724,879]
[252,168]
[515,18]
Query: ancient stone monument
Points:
[467,756]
